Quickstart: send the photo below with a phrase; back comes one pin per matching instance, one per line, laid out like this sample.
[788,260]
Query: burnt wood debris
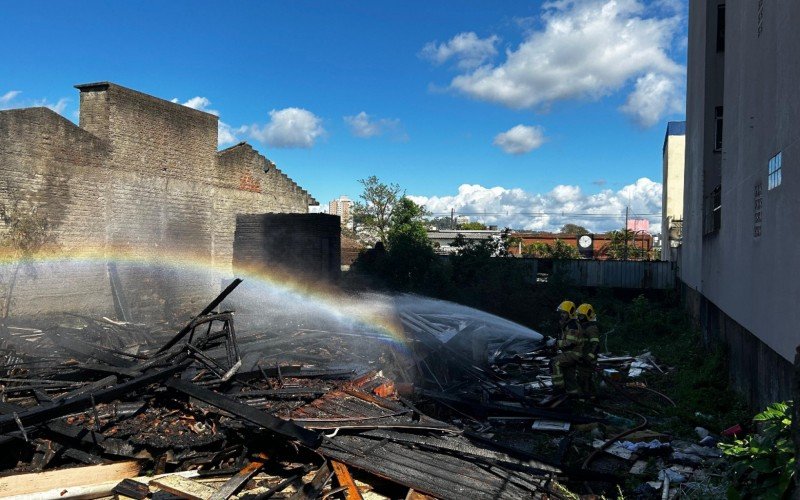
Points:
[111,408]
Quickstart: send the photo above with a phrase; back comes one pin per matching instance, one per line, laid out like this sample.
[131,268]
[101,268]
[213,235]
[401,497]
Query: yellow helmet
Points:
[568,307]
[586,310]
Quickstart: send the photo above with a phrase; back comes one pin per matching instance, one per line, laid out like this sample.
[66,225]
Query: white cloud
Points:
[586,49]
[519,209]
[226,134]
[289,128]
[467,48]
[520,139]
[653,97]
[58,107]
[9,101]
[365,126]
[8,97]
[199,103]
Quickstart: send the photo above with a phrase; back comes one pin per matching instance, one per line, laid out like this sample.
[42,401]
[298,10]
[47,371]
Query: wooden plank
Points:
[346,480]
[416,495]
[233,484]
[183,488]
[26,484]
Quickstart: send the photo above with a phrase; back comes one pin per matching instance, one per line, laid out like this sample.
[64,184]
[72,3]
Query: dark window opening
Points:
[718,128]
[721,28]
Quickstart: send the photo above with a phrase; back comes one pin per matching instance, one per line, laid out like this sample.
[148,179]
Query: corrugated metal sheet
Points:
[654,275]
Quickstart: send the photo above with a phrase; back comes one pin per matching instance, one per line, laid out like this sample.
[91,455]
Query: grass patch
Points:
[698,378]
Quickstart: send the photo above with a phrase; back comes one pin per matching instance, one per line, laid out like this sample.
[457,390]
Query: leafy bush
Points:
[763,463]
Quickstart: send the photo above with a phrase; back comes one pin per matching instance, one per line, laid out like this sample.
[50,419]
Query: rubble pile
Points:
[107,408]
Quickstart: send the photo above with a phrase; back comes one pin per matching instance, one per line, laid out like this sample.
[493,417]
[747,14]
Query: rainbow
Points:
[325,298]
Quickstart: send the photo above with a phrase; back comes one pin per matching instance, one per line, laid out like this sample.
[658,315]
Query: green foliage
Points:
[442,223]
[699,381]
[372,215]
[410,253]
[622,245]
[537,250]
[573,229]
[472,226]
[563,250]
[558,250]
[763,463]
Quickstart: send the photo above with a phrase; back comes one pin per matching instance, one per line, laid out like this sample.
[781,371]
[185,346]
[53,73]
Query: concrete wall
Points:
[750,277]
[141,174]
[306,246]
[757,372]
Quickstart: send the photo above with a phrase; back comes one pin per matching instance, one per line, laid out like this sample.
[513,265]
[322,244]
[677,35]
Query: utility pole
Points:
[452,218]
[625,229]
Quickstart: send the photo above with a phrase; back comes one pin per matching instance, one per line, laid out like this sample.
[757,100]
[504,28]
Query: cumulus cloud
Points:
[469,50]
[520,139]
[519,209]
[365,126]
[587,50]
[199,103]
[653,97]
[226,134]
[289,128]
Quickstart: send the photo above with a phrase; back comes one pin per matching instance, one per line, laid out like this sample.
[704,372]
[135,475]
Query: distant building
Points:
[443,240]
[462,219]
[342,207]
[674,155]
[596,243]
[639,225]
[738,259]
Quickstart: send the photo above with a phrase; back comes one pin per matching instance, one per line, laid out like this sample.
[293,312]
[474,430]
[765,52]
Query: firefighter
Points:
[563,365]
[587,320]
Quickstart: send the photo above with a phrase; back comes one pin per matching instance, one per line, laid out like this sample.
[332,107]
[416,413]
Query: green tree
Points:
[563,250]
[472,226]
[537,250]
[560,249]
[410,252]
[622,245]
[442,223]
[373,214]
[573,229]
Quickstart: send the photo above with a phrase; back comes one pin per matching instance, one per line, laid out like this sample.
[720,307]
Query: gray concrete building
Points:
[738,259]
[674,154]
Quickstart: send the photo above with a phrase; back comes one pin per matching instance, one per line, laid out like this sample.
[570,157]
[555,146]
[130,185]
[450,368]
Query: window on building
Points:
[712,211]
[775,175]
[718,128]
[760,18]
[721,28]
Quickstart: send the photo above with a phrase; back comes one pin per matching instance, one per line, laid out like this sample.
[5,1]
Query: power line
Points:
[544,214]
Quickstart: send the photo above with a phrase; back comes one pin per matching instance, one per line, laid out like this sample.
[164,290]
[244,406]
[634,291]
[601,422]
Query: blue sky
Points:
[591,83]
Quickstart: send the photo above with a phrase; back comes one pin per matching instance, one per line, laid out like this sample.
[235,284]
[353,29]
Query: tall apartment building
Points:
[738,259]
[342,207]
[674,155]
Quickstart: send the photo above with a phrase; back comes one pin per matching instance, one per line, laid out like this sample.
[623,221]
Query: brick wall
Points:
[140,173]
